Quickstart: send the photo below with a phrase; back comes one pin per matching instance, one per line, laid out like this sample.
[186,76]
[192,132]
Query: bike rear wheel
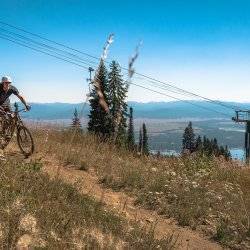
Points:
[25,141]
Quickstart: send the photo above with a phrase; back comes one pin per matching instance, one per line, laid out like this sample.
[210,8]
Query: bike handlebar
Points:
[21,110]
[3,112]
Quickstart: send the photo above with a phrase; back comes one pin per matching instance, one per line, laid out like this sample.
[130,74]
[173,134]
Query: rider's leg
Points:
[5,117]
[2,131]
[2,120]
[7,110]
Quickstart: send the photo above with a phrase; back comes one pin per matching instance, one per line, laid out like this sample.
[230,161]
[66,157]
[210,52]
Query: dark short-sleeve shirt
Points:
[4,96]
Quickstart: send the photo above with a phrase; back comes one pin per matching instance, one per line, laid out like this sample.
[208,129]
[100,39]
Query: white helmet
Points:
[6,79]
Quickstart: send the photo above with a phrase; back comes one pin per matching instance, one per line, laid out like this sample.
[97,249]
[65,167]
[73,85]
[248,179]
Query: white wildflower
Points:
[195,184]
[28,223]
[219,197]
[173,173]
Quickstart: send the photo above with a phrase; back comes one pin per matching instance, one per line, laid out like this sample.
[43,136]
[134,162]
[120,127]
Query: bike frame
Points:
[16,121]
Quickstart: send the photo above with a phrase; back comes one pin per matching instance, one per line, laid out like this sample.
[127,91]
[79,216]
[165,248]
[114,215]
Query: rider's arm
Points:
[21,98]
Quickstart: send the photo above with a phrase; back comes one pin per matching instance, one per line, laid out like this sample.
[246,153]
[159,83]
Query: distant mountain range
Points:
[151,110]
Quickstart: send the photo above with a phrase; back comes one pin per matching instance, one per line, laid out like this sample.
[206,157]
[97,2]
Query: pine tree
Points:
[99,119]
[222,151]
[227,154]
[131,136]
[215,147]
[145,148]
[198,144]
[140,141]
[210,149]
[118,106]
[207,146]
[158,154]
[205,143]
[188,141]
[76,123]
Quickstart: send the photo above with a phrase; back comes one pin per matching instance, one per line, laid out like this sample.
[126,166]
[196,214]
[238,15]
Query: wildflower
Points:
[28,223]
[195,184]
[219,197]
[173,173]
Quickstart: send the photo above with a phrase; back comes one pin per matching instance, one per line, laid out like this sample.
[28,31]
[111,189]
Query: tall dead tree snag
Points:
[119,114]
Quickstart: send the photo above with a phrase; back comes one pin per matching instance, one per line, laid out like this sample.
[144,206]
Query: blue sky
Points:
[201,46]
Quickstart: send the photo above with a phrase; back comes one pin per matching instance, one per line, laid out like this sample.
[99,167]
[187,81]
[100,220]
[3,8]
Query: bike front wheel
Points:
[25,141]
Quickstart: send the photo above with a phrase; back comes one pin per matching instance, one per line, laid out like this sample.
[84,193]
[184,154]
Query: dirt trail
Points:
[121,202]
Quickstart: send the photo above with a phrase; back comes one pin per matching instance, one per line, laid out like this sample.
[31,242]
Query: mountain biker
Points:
[6,90]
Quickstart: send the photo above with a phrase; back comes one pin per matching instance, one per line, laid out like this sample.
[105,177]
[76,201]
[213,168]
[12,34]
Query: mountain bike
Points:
[11,122]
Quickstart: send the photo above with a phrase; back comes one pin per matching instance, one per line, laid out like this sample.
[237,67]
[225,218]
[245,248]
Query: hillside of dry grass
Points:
[39,212]
[206,194]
